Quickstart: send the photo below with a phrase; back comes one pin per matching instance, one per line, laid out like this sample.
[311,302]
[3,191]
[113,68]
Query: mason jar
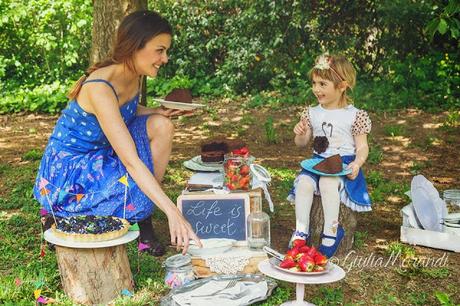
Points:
[237,172]
[452,199]
[179,270]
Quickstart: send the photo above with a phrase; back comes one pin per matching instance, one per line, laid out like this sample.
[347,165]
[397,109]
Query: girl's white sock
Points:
[303,201]
[329,188]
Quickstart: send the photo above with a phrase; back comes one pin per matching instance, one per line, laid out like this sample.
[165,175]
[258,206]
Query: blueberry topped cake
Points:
[90,228]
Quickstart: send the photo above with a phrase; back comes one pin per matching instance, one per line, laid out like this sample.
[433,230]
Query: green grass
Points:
[395,130]
[21,239]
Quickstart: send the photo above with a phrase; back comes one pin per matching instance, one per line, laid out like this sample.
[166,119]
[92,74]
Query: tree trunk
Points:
[107,15]
[347,218]
[94,276]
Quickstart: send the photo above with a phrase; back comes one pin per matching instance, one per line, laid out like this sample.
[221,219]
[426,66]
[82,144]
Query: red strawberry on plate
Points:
[287,263]
[298,243]
[306,263]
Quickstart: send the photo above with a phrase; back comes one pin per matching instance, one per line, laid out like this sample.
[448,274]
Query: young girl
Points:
[107,155]
[337,127]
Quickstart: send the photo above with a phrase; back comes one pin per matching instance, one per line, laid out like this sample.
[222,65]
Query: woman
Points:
[107,154]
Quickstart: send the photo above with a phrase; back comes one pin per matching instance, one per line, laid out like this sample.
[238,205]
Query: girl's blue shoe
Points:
[329,251]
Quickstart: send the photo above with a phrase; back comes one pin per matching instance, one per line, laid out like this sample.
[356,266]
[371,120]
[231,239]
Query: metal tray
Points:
[168,300]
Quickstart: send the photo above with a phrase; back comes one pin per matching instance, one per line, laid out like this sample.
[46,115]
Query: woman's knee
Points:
[160,126]
[330,183]
[306,184]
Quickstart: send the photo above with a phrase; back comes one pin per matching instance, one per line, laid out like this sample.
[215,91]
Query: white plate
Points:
[196,164]
[178,105]
[211,246]
[275,262]
[429,208]
[409,214]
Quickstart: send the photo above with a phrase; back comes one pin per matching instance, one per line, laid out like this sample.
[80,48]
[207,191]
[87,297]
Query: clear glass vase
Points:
[258,225]
[237,172]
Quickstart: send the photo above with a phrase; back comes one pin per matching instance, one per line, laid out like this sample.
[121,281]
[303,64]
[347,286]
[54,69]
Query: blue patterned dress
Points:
[80,173]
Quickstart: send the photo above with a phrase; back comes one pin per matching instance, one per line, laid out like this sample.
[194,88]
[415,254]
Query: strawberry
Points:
[298,243]
[244,181]
[292,252]
[304,249]
[320,259]
[287,263]
[230,186]
[306,263]
[244,170]
[312,252]
[235,178]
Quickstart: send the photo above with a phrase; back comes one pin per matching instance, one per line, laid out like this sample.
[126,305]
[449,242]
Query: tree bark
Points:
[347,218]
[107,15]
[94,276]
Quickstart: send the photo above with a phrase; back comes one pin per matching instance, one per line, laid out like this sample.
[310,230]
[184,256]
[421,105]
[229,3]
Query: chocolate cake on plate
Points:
[330,165]
[213,152]
[182,95]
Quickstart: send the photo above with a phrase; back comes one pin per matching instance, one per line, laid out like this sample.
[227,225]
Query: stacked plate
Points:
[427,209]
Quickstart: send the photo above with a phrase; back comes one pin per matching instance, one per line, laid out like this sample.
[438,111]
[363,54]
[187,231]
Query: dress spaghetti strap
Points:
[102,81]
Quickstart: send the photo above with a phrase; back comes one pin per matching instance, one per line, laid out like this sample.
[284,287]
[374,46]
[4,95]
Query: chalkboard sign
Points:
[216,216]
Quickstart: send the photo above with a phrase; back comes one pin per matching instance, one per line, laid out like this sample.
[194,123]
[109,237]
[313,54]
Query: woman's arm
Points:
[107,112]
[362,151]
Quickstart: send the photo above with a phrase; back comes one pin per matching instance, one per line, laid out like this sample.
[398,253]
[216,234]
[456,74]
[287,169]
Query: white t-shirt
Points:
[339,126]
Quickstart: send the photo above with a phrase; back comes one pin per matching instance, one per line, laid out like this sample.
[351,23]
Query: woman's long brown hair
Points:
[134,32]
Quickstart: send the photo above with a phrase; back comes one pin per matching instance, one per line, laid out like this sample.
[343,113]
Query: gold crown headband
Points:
[324,62]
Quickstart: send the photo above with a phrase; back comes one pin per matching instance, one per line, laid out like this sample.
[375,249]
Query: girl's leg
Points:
[303,201]
[160,131]
[329,187]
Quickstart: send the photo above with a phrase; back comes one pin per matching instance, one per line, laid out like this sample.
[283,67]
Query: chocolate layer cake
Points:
[180,95]
[330,165]
[213,151]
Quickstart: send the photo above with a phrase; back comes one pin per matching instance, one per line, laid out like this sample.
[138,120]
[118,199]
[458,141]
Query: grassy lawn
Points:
[397,153]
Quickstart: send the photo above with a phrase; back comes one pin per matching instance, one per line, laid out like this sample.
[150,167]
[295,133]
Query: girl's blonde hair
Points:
[337,69]
[135,30]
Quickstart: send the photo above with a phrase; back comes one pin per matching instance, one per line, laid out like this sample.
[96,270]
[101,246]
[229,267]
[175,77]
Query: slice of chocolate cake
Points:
[182,95]
[214,151]
[330,165]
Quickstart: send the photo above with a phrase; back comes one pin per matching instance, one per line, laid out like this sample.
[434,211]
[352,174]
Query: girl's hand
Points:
[354,166]
[300,128]
[181,232]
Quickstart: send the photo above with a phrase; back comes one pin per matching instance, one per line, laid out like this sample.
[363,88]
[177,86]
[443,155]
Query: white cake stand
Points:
[335,274]
[51,238]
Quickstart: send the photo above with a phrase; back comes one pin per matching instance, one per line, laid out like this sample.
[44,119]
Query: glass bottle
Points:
[258,225]
[179,270]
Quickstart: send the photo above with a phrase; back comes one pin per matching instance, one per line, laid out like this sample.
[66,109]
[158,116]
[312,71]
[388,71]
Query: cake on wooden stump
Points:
[90,228]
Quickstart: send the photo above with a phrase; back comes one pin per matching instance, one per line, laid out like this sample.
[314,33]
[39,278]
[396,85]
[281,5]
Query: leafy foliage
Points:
[263,49]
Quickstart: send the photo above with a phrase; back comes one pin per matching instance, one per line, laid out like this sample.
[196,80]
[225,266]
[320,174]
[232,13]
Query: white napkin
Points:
[209,294]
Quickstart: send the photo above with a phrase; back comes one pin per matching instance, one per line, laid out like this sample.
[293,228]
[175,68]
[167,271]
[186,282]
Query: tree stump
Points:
[94,276]
[347,218]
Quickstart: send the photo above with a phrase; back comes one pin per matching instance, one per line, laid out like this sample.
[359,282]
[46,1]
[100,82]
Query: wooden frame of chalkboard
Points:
[217,215]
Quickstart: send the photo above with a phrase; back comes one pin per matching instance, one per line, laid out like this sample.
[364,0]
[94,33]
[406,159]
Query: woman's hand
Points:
[169,112]
[300,128]
[354,166]
[181,232]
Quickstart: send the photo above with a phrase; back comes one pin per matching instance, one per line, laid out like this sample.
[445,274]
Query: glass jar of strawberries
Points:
[236,168]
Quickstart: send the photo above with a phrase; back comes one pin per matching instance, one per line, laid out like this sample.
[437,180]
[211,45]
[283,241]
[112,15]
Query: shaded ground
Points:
[404,144]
